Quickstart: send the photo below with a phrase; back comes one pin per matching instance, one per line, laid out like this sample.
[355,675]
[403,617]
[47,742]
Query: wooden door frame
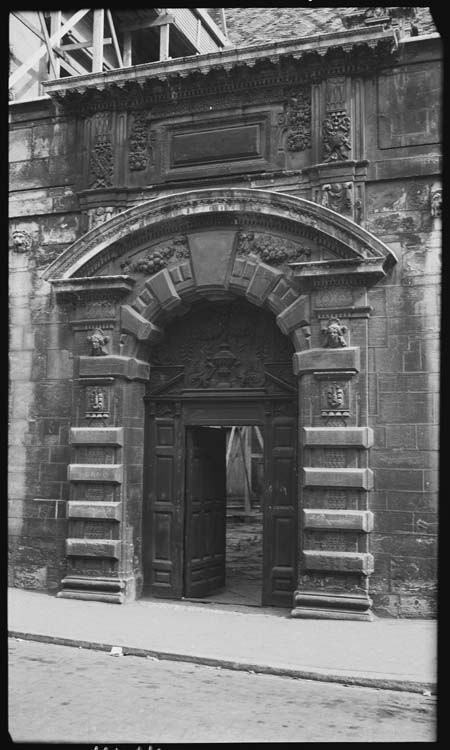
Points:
[263,405]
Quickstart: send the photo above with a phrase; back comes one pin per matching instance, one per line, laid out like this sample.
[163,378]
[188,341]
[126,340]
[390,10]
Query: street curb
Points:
[380,683]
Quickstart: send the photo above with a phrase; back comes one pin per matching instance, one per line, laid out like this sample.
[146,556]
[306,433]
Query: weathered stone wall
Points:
[403,328]
[43,207]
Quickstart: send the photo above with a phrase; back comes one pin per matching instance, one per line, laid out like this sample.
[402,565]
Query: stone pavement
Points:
[386,653]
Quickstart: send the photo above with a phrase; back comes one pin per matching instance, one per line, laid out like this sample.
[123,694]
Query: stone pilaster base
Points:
[115,590]
[322,606]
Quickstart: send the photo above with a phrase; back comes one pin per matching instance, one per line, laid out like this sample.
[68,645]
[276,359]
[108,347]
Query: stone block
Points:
[281,296]
[93,548]
[404,544]
[132,322]
[86,509]
[427,436]
[310,360]
[414,501]
[294,316]
[352,520]
[360,478]
[20,141]
[358,437]
[211,257]
[95,473]
[399,479]
[114,366]
[20,365]
[430,480]
[393,521]
[342,562]
[59,364]
[400,436]
[241,274]
[262,282]
[96,435]
[405,407]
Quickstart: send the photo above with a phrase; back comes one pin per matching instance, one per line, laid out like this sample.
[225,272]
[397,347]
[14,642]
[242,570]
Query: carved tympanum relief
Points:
[220,345]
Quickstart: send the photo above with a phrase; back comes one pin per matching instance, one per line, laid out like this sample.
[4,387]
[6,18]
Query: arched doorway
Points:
[311,271]
[222,371]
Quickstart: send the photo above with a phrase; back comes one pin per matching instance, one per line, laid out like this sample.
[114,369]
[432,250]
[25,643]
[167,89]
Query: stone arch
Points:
[211,219]
[132,309]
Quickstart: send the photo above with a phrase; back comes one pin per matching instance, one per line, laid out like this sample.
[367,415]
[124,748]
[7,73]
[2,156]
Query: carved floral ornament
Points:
[297,119]
[336,136]
[160,257]
[272,250]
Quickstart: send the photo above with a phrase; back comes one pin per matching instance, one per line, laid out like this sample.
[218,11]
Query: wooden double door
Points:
[184,540]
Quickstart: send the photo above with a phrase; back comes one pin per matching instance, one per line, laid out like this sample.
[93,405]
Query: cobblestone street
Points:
[63,694]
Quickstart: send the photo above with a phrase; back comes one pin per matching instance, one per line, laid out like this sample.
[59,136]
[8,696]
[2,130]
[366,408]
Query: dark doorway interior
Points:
[224,519]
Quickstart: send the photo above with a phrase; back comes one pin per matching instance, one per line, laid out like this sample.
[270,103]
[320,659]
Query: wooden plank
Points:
[55,24]
[97,40]
[127,50]
[114,37]
[160,21]
[36,56]
[47,43]
[82,45]
[164,42]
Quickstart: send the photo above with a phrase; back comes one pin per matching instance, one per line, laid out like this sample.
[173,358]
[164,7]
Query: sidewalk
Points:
[386,653]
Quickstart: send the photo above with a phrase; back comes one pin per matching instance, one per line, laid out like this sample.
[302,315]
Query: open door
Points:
[280,514]
[205,520]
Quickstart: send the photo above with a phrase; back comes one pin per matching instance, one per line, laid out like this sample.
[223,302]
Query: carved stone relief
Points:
[21,241]
[222,346]
[98,341]
[160,257]
[273,250]
[101,162]
[139,148]
[436,201]
[99,215]
[297,120]
[336,137]
[97,403]
[338,197]
[334,334]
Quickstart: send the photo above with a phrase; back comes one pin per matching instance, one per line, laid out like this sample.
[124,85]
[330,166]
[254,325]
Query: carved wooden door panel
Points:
[205,511]
[280,512]
[163,522]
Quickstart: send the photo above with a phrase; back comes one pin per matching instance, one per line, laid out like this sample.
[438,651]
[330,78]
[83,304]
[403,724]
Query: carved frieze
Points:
[336,137]
[297,121]
[273,250]
[160,257]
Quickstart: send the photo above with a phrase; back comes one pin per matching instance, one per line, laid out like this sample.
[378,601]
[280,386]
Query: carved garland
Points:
[176,249]
[271,249]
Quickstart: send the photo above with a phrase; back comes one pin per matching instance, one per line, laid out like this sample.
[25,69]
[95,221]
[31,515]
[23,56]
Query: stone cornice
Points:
[225,59]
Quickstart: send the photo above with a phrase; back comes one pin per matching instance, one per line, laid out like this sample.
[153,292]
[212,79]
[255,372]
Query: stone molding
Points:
[91,509]
[325,477]
[132,225]
[96,436]
[351,520]
[347,358]
[347,562]
[95,473]
[114,365]
[357,437]
[93,548]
